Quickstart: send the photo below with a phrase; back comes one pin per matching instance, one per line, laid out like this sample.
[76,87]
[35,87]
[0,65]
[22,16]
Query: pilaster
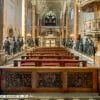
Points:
[26,14]
[76,22]
[1,22]
[38,25]
[62,30]
[33,22]
[67,23]
[97,56]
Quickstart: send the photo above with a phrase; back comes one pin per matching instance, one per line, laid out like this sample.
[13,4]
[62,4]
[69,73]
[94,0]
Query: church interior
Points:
[50,50]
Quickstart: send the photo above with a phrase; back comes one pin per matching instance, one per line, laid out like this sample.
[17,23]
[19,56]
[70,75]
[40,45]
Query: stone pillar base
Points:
[2,58]
[97,59]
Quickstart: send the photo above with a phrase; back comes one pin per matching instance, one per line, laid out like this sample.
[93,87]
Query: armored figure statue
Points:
[81,46]
[86,46]
[69,43]
[77,45]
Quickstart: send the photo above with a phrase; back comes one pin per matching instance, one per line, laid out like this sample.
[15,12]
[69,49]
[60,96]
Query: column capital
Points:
[33,7]
[33,2]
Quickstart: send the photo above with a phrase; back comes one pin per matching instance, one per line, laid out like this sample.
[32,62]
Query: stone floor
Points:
[57,99]
[90,61]
[52,96]
[9,63]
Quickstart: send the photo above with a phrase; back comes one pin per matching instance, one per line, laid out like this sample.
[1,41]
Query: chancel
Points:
[49,49]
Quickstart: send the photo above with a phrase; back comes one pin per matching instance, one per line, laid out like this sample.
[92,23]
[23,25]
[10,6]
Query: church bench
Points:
[43,62]
[50,56]
[44,79]
[57,53]
[49,49]
[45,53]
[49,52]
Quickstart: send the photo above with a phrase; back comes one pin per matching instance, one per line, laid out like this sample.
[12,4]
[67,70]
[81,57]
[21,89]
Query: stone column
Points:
[67,23]
[62,30]
[97,56]
[76,22]
[1,22]
[26,9]
[95,11]
[33,22]
[38,21]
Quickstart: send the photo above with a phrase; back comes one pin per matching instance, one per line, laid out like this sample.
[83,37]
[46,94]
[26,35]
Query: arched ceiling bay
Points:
[44,6]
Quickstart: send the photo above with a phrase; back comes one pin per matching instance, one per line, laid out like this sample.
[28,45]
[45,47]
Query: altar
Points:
[51,41]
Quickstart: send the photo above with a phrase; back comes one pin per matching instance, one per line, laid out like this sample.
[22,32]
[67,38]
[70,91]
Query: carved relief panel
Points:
[18,80]
[80,80]
[49,80]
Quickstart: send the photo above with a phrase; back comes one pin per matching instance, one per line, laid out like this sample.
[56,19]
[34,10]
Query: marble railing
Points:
[85,2]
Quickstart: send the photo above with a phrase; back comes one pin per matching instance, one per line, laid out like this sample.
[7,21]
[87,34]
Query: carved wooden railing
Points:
[49,80]
[85,2]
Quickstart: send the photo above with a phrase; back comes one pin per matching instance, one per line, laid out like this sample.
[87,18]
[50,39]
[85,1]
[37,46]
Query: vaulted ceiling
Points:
[56,6]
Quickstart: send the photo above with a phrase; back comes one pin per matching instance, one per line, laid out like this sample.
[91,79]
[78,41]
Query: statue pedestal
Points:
[97,59]
[97,55]
[2,58]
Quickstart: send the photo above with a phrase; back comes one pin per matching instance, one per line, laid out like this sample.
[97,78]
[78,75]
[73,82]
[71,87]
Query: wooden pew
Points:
[49,50]
[63,50]
[48,53]
[50,62]
[50,56]
[31,80]
[42,51]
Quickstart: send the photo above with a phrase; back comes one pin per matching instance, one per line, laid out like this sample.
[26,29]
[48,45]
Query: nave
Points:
[44,70]
[50,49]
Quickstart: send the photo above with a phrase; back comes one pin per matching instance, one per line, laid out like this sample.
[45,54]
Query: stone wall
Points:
[12,17]
[1,21]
